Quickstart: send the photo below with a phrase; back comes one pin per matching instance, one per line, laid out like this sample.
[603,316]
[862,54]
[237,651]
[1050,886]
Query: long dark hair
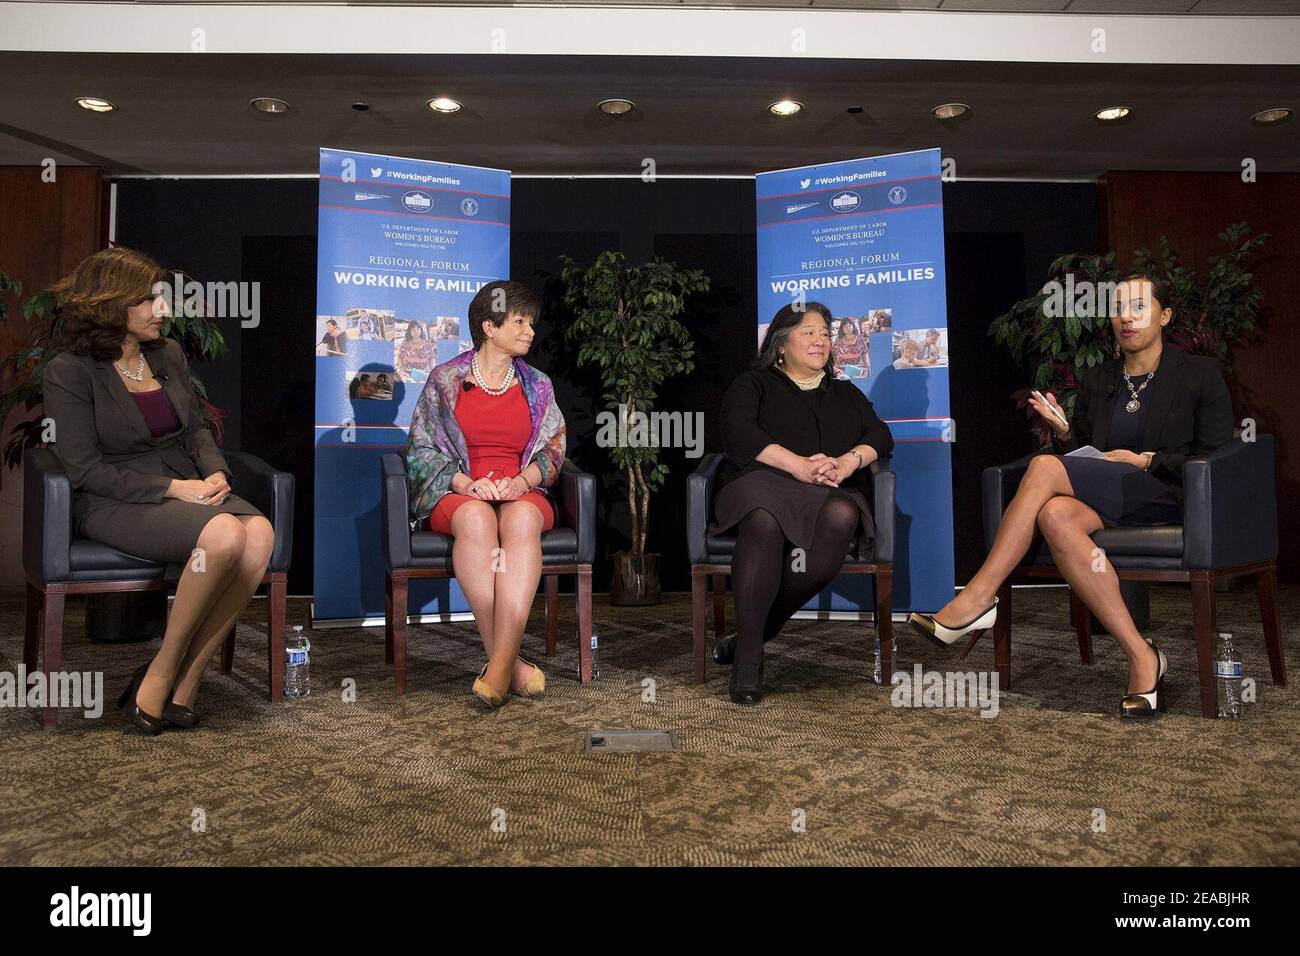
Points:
[786,318]
[95,297]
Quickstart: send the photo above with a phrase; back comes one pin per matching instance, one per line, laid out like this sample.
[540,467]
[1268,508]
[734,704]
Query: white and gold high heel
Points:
[927,625]
[1152,702]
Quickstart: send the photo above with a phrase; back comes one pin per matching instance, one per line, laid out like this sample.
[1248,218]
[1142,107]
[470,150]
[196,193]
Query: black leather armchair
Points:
[710,556]
[568,548]
[1229,530]
[57,562]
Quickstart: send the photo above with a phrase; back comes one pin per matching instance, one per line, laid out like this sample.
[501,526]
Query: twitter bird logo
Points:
[376,172]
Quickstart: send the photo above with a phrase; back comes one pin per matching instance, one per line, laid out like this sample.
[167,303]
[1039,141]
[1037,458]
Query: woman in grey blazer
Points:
[147,476]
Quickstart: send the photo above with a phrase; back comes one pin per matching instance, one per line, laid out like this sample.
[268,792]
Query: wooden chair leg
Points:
[552,600]
[397,626]
[584,623]
[1002,637]
[698,582]
[1082,626]
[1203,613]
[31,629]
[1266,587]
[228,652]
[885,623]
[276,598]
[719,606]
[51,649]
[388,618]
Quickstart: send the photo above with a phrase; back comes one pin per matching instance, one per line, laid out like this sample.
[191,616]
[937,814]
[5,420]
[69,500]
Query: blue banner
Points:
[403,246]
[865,238]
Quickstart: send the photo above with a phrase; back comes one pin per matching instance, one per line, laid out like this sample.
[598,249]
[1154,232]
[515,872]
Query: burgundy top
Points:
[157,411]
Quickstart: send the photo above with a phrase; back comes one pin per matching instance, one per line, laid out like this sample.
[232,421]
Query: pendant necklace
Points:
[1133,404]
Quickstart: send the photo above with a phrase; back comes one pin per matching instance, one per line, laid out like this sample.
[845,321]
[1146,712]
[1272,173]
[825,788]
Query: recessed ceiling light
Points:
[95,104]
[1112,113]
[947,111]
[361,107]
[1271,117]
[616,106]
[443,104]
[269,104]
[786,107]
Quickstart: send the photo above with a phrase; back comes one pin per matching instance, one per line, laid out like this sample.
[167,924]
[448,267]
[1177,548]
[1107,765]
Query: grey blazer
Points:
[103,441]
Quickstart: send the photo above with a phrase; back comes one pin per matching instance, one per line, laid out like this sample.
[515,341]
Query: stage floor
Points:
[423,778]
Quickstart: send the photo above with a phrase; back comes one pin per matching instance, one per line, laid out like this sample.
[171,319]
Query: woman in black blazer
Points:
[147,476]
[1145,411]
[797,444]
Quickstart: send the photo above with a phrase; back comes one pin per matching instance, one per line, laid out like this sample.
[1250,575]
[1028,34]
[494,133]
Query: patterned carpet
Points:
[825,771]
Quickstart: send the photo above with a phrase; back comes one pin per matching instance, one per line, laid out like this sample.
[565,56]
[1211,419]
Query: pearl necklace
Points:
[482,382]
[137,375]
[808,384]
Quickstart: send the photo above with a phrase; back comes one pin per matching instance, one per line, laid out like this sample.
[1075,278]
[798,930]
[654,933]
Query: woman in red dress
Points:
[485,438]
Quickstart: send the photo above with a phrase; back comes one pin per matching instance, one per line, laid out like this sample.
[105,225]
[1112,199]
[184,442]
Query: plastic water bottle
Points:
[297,664]
[893,646]
[1227,667]
[595,647]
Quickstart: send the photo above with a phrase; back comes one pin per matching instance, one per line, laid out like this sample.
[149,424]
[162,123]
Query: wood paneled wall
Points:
[1192,209]
[46,228]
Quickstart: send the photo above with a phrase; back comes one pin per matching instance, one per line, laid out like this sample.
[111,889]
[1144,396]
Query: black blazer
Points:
[762,407]
[1190,414]
[103,442]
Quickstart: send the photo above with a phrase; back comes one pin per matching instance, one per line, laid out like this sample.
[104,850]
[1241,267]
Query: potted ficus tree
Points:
[1213,310]
[110,617]
[626,326]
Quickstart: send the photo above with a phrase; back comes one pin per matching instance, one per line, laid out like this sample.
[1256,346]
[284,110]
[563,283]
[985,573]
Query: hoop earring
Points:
[1117,348]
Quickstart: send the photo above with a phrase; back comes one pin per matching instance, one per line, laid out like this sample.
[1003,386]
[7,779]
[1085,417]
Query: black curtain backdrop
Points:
[1000,237]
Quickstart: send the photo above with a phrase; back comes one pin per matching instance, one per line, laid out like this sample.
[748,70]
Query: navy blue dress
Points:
[1122,494]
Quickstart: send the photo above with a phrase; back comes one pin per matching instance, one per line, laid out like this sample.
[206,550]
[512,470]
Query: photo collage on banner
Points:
[404,244]
[865,238]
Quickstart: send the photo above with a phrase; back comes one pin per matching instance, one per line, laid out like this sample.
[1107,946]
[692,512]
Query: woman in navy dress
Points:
[1145,412]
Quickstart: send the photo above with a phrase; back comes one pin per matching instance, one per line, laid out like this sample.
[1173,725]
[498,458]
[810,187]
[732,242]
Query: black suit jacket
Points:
[103,442]
[1190,413]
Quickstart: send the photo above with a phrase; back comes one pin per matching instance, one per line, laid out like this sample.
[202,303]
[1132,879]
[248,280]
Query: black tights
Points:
[767,587]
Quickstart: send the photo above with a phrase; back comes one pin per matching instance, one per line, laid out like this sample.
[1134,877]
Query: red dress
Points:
[496,429]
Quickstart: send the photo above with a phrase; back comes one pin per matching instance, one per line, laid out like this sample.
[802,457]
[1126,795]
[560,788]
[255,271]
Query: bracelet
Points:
[856,455]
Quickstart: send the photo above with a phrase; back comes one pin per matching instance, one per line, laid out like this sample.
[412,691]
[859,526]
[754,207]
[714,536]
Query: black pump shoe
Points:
[746,684]
[130,707]
[178,716]
[724,651]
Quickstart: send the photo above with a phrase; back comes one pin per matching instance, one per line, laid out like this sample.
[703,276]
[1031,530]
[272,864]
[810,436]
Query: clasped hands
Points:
[212,490]
[500,489]
[822,469]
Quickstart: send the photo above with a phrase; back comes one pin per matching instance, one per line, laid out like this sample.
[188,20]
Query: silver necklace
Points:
[1133,404]
[137,375]
[482,382]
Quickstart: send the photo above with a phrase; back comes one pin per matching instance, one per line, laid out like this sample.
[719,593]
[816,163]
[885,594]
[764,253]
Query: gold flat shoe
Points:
[484,692]
[536,684]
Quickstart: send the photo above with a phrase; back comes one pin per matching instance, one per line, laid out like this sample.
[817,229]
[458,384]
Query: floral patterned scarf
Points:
[436,448]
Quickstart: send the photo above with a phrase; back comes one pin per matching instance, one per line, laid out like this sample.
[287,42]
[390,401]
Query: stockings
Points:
[767,588]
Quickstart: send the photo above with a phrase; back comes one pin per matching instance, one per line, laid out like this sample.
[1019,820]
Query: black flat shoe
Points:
[746,684]
[724,651]
[178,716]
[130,707]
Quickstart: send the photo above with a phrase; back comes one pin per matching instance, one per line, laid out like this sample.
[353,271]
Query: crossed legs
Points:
[497,555]
[221,575]
[1045,502]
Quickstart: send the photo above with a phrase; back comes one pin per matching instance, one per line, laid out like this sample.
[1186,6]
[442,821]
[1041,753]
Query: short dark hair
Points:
[1159,288]
[786,318]
[331,322]
[495,302]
